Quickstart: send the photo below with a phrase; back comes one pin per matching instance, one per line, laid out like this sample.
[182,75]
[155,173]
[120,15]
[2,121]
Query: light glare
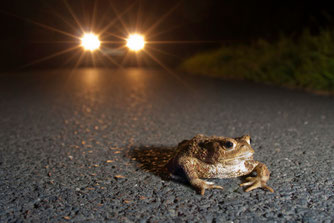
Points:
[91,42]
[135,42]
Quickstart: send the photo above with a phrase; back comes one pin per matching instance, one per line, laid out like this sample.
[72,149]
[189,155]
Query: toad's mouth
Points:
[244,156]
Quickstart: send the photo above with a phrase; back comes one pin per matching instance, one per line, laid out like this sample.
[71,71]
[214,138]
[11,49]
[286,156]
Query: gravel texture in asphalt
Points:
[91,145]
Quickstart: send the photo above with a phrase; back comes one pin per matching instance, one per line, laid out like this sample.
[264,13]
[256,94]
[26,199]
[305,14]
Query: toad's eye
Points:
[229,145]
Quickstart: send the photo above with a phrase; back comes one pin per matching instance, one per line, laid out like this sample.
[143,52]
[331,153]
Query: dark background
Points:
[201,24]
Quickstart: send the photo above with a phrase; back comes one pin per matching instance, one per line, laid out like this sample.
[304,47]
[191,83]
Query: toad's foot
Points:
[201,185]
[256,182]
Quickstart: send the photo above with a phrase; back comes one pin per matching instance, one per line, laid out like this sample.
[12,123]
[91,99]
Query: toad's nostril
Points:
[201,144]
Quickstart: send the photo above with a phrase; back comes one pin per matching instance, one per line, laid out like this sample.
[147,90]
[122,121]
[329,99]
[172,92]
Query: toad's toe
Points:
[202,185]
[256,182]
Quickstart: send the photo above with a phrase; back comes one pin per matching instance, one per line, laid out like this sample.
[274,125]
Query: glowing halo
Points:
[135,42]
[90,41]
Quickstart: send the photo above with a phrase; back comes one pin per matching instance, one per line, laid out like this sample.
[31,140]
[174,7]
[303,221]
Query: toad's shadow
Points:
[153,159]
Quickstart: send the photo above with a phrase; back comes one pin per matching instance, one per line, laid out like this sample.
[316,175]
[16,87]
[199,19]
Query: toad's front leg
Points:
[260,180]
[193,168]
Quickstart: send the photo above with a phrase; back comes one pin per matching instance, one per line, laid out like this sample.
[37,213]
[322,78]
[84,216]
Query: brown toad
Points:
[218,157]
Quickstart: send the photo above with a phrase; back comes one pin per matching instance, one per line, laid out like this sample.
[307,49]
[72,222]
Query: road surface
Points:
[89,146]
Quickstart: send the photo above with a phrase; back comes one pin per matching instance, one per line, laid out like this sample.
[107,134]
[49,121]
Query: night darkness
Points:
[203,24]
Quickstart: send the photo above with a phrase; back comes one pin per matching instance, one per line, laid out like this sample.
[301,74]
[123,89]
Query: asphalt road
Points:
[90,145]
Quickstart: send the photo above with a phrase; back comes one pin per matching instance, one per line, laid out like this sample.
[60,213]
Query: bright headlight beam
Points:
[90,42]
[135,42]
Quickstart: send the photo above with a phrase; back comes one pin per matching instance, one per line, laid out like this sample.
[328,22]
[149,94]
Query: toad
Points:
[218,157]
